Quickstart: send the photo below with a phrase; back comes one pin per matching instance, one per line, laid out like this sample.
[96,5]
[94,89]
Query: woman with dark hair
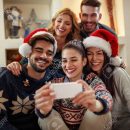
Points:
[70,113]
[102,55]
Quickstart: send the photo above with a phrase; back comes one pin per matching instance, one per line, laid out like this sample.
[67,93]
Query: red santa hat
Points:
[26,48]
[106,41]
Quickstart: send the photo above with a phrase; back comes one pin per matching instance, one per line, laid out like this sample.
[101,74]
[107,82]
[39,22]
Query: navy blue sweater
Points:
[17,101]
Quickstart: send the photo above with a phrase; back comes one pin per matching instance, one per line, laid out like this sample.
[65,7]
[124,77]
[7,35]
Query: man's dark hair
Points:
[44,37]
[93,3]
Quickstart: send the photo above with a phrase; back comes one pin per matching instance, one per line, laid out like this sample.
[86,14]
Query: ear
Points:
[84,61]
[100,16]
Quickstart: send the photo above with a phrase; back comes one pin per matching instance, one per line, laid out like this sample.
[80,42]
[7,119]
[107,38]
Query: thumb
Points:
[84,84]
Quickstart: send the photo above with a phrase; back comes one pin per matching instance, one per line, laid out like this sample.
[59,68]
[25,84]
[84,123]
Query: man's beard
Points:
[34,66]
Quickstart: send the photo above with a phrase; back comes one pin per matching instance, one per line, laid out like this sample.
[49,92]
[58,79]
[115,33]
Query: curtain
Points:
[110,13]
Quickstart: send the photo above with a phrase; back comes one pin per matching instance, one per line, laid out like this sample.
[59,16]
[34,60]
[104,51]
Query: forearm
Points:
[101,93]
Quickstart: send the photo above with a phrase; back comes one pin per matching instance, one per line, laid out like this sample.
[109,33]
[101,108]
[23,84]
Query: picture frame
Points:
[12,55]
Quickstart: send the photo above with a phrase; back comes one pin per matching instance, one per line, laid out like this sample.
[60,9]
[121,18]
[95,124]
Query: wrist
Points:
[43,112]
[98,106]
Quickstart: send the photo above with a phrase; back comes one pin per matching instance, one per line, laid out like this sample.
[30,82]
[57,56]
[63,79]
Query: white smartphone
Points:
[66,90]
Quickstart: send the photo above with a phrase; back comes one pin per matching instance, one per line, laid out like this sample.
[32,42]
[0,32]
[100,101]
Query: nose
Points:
[62,24]
[68,64]
[43,55]
[94,57]
[89,19]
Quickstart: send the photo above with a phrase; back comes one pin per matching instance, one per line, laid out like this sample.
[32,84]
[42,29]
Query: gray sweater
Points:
[121,102]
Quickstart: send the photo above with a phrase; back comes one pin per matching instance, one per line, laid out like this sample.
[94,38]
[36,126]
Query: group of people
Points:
[86,53]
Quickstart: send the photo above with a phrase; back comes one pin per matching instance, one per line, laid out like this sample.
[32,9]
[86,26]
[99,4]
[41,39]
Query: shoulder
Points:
[103,26]
[121,80]
[120,73]
[93,79]
[5,76]
[91,76]
[4,71]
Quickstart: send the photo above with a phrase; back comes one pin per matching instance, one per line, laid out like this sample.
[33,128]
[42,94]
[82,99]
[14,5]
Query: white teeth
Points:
[41,62]
[62,30]
[95,63]
[69,71]
[89,25]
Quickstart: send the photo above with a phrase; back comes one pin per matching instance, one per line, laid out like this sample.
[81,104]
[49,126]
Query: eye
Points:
[50,53]
[89,53]
[68,23]
[38,50]
[64,61]
[59,21]
[73,60]
[94,15]
[100,53]
[84,15]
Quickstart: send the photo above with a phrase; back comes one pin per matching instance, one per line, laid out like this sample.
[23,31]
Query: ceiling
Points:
[28,1]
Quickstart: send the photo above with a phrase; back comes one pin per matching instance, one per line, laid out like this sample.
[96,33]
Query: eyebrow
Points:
[65,21]
[96,51]
[70,58]
[39,48]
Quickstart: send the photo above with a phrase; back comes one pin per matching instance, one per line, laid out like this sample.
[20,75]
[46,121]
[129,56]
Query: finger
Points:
[90,103]
[43,99]
[45,105]
[45,92]
[10,67]
[14,67]
[47,85]
[42,105]
[84,100]
[14,71]
[18,67]
[82,95]
[84,84]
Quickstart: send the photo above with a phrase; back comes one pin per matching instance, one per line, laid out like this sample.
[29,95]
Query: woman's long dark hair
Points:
[106,74]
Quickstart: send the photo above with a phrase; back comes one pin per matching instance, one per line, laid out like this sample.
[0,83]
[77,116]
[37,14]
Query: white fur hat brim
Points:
[98,42]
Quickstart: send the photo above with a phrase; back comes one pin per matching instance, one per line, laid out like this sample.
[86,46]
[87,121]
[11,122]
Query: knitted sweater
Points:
[71,114]
[17,102]
[121,105]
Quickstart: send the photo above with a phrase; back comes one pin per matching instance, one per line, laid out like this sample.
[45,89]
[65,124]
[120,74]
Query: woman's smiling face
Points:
[95,58]
[72,63]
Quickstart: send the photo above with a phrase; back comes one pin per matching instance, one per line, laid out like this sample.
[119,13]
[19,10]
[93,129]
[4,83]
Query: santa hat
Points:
[106,41]
[26,48]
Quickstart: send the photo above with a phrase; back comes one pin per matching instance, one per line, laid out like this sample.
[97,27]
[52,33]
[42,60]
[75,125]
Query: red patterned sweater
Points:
[73,114]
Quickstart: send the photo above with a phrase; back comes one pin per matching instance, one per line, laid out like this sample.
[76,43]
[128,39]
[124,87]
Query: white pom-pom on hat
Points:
[25,49]
[116,61]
